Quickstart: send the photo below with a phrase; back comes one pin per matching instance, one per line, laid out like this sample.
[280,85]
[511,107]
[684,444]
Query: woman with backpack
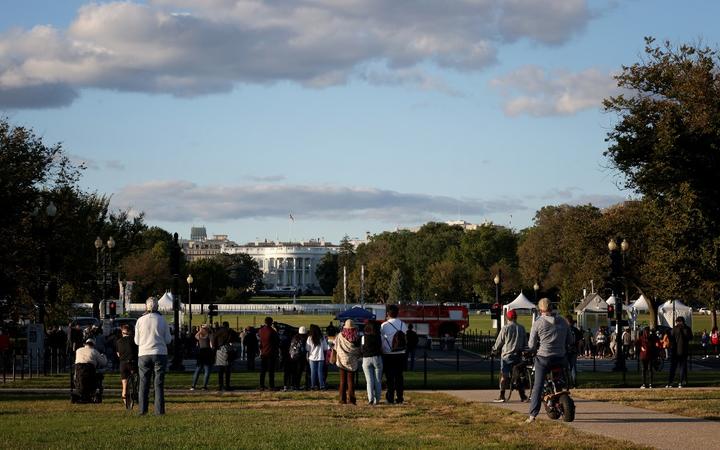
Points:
[204,356]
[348,360]
[316,346]
[298,356]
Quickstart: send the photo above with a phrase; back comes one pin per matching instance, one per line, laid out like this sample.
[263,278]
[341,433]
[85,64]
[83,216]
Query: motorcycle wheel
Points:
[552,412]
[568,407]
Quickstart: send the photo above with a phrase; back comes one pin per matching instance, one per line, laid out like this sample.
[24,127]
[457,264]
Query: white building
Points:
[286,266]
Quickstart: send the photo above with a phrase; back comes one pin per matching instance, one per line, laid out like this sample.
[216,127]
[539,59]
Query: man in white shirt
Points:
[89,355]
[394,354]
[152,335]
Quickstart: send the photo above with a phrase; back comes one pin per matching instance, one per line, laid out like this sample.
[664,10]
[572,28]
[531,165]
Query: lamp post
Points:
[190,282]
[176,364]
[103,259]
[50,212]
[617,260]
[536,288]
[498,287]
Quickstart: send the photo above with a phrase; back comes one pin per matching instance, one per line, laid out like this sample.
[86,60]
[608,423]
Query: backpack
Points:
[297,350]
[399,340]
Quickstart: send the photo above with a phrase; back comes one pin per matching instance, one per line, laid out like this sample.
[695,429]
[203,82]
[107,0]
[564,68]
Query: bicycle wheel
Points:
[132,396]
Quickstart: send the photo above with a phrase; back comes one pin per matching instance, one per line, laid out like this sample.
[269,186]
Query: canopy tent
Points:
[641,304]
[165,304]
[670,310]
[592,312]
[520,303]
[357,314]
[611,300]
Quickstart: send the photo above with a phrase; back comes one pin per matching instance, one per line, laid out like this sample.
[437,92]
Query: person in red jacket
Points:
[269,351]
[647,347]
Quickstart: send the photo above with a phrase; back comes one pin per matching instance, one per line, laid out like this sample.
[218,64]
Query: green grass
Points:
[277,420]
[700,403]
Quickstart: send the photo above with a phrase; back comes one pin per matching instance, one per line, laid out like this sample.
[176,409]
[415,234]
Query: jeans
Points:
[267,365]
[372,368]
[224,373]
[197,374]
[394,365]
[572,366]
[647,368]
[148,364]
[316,374]
[542,366]
[410,359]
[676,360]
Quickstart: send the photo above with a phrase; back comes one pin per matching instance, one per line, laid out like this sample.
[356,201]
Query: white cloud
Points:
[183,201]
[533,91]
[195,47]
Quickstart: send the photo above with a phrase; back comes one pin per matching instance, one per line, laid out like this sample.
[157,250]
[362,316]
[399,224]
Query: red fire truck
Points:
[431,320]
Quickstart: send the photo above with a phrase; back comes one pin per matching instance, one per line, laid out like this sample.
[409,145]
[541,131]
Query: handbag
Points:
[331,356]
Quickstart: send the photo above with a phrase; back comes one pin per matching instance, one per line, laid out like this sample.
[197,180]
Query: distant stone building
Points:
[286,266]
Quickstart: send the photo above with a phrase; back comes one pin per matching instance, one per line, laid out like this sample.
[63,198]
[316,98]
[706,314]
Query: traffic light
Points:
[113,309]
[495,312]
[212,310]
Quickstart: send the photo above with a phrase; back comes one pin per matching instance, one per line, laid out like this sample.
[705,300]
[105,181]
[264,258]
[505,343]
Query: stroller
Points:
[86,384]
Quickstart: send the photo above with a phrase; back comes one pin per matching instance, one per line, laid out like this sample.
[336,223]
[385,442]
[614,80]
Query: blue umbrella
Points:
[356,313]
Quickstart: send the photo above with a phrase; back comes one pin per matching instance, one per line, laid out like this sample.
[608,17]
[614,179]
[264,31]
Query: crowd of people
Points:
[554,340]
[376,350]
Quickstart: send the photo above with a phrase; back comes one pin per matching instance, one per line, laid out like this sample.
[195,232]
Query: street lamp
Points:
[190,282]
[498,286]
[103,259]
[50,212]
[617,260]
[536,288]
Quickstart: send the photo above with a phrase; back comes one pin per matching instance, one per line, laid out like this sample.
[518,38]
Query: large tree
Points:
[666,146]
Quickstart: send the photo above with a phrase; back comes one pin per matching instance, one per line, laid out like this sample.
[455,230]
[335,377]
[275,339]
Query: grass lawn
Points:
[701,403]
[277,420]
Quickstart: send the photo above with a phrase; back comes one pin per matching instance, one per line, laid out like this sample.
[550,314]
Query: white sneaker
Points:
[680,385]
[642,387]
[650,386]
[667,386]
[530,419]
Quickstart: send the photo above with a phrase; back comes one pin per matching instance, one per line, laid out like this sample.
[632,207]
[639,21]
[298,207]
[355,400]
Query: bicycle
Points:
[131,395]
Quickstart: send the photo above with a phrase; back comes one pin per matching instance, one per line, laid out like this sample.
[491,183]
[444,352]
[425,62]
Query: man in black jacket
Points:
[679,350]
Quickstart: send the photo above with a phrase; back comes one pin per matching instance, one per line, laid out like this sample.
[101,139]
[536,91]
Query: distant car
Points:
[85,322]
[704,311]
[120,321]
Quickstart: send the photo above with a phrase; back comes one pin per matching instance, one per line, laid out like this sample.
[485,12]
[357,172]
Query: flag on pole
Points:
[292,218]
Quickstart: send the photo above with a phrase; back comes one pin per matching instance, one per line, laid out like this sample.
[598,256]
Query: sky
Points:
[351,116]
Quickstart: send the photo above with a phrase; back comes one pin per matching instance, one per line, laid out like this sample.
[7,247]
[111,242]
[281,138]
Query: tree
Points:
[243,275]
[396,291]
[150,271]
[564,250]
[327,273]
[211,279]
[666,146]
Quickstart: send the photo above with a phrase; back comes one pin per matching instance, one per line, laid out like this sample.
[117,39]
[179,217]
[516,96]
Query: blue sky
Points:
[352,115]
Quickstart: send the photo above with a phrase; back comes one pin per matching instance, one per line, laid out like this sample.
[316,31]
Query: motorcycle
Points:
[556,392]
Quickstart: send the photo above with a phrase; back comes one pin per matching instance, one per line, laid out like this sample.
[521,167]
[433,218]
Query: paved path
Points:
[641,426]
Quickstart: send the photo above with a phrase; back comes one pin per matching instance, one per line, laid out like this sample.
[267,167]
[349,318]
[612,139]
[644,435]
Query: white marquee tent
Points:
[641,304]
[165,304]
[670,310]
[611,300]
[521,303]
[592,312]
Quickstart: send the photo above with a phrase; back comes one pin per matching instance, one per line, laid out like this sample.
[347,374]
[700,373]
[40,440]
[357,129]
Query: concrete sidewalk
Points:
[641,426]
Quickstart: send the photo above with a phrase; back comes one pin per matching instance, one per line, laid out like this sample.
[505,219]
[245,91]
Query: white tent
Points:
[670,310]
[641,304]
[611,300]
[520,303]
[165,304]
[592,312]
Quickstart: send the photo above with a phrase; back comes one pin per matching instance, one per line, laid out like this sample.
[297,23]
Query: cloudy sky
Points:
[351,115]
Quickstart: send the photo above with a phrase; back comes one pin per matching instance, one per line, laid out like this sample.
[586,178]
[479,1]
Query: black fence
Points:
[16,364]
